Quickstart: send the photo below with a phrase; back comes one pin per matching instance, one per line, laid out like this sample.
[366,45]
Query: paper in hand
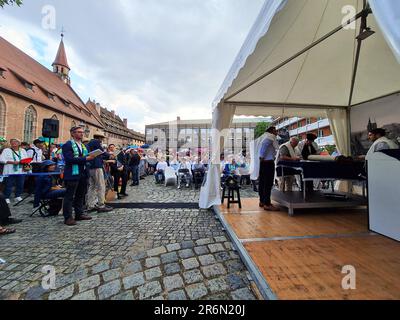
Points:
[96,153]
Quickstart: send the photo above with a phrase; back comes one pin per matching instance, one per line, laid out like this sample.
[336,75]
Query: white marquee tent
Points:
[310,58]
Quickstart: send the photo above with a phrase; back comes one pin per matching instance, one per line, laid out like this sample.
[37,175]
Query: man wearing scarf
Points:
[75,176]
[267,155]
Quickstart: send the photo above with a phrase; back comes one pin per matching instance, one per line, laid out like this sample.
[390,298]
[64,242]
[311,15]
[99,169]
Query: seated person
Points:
[231,170]
[199,171]
[379,142]
[304,150]
[160,170]
[287,153]
[46,189]
[184,173]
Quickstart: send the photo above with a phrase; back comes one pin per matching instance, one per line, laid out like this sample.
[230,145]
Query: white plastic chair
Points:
[170,177]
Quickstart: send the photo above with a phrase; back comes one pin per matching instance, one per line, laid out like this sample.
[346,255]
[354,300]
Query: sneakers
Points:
[18,199]
[8,201]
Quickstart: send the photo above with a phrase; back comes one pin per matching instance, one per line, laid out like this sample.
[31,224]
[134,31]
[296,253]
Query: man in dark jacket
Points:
[134,162]
[96,195]
[76,158]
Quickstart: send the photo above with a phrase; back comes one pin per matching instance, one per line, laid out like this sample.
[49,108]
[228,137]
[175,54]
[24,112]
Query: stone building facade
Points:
[29,93]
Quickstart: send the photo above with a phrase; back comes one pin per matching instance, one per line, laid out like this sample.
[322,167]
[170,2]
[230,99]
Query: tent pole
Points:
[362,13]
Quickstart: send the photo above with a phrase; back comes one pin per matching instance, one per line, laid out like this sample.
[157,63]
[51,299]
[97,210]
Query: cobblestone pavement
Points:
[127,254]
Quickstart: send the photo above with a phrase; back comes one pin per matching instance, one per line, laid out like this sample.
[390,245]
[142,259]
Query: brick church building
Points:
[29,93]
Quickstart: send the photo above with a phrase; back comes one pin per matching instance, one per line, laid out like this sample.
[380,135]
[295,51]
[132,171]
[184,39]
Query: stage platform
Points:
[295,200]
[302,257]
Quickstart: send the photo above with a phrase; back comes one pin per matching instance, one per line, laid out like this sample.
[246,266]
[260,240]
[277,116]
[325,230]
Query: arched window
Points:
[2,117]
[30,124]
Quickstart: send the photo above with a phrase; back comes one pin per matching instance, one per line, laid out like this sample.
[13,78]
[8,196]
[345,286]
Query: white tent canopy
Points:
[302,57]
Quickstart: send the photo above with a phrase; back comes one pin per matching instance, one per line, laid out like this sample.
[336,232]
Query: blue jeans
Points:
[135,174]
[159,177]
[51,195]
[17,182]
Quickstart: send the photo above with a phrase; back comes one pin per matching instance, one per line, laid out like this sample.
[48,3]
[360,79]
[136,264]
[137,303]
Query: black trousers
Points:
[5,213]
[75,197]
[266,181]
[123,175]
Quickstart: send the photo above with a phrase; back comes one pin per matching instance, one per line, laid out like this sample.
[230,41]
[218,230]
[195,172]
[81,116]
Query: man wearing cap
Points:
[76,158]
[36,153]
[96,195]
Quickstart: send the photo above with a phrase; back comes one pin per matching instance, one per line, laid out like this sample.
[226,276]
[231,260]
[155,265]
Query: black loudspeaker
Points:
[51,128]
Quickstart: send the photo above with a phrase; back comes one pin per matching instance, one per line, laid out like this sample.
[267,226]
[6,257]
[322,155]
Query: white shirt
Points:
[6,156]
[37,155]
[162,166]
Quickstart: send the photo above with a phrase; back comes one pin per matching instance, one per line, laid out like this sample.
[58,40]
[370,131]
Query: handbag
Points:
[110,195]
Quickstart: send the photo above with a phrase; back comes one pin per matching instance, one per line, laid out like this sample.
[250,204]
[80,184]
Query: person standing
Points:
[11,158]
[96,195]
[269,149]
[121,174]
[36,153]
[134,162]
[76,158]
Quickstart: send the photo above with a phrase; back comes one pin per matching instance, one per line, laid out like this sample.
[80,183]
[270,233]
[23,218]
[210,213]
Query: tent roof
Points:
[321,77]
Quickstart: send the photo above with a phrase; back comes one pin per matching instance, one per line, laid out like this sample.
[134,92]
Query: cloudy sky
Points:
[150,60]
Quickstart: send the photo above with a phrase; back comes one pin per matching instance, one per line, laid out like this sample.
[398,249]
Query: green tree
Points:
[260,129]
[10,2]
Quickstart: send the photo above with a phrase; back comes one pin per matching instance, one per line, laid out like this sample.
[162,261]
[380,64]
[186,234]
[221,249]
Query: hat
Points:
[311,137]
[48,163]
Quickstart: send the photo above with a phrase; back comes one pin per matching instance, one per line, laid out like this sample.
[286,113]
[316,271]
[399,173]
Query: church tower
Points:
[60,64]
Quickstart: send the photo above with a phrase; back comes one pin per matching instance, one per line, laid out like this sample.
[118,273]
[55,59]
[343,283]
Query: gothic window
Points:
[30,124]
[2,117]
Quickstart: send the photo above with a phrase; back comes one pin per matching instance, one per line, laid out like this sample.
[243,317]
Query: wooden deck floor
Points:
[302,257]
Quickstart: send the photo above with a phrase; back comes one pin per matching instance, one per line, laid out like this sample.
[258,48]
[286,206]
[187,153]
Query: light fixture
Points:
[365,34]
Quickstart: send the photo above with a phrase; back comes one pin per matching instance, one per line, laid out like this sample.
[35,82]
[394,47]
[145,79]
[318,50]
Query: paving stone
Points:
[85,296]
[153,273]
[217,285]
[213,270]
[243,294]
[234,266]
[152,262]
[173,282]
[132,267]
[186,253]
[207,260]
[62,294]
[187,245]
[100,267]
[193,276]
[179,295]
[201,250]
[236,281]
[173,247]
[220,239]
[156,251]
[222,256]
[159,298]
[111,275]
[36,293]
[228,245]
[109,289]
[216,247]
[172,268]
[89,283]
[203,242]
[196,291]
[149,290]
[132,281]
[169,257]
[191,263]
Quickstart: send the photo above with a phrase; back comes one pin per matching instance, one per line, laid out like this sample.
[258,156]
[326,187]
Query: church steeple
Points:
[60,64]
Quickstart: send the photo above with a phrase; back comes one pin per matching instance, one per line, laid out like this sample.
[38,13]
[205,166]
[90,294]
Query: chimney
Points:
[126,123]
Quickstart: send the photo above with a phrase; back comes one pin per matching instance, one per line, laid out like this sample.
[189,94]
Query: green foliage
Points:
[330,149]
[10,2]
[260,129]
